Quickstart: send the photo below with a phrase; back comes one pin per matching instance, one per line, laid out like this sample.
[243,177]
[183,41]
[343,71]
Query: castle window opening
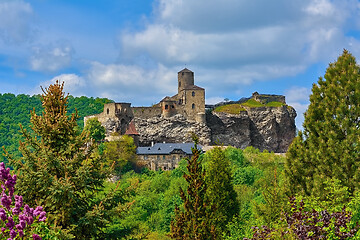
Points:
[182,74]
[107,111]
[164,157]
[166,106]
[193,94]
[193,106]
[172,106]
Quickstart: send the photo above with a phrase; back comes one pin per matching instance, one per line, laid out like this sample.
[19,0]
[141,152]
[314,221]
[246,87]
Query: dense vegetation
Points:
[236,108]
[94,190]
[15,110]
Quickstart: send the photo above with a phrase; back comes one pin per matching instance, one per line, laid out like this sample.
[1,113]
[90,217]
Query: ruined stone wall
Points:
[266,98]
[146,112]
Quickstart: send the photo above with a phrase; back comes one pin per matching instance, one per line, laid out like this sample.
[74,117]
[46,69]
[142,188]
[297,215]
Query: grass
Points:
[251,103]
[230,108]
[274,104]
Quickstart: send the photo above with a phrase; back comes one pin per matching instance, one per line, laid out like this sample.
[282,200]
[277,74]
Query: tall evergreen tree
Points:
[194,221]
[329,145]
[220,189]
[57,171]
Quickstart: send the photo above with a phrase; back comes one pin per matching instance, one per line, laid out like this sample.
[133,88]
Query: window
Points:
[193,94]
[145,157]
[193,106]
[158,157]
[179,84]
[166,106]
[164,157]
[172,106]
[107,111]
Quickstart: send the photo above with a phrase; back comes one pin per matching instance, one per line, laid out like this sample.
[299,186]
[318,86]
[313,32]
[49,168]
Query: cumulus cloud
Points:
[286,35]
[73,84]
[51,58]
[123,82]
[15,21]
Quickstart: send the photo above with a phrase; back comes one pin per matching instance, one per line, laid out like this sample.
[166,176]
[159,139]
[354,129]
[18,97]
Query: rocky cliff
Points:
[270,128]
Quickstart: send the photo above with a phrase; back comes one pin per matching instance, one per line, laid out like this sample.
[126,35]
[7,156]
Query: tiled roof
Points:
[185,70]
[131,129]
[165,148]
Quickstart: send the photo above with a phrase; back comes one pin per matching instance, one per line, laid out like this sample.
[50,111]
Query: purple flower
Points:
[13,233]
[21,233]
[38,210]
[42,217]
[10,224]
[5,201]
[36,237]
[29,220]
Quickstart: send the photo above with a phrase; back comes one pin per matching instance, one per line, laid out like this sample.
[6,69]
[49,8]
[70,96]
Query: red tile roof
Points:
[131,129]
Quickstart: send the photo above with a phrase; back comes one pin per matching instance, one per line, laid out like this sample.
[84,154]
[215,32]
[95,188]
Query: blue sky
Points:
[131,50]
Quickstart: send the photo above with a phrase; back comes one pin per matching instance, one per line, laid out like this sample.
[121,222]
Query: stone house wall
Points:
[146,112]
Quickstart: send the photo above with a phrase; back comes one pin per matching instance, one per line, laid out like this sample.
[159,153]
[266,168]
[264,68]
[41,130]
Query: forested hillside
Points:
[15,110]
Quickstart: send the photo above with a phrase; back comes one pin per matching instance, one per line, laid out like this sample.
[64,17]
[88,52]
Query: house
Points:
[165,156]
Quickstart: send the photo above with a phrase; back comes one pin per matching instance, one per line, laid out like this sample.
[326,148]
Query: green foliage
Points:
[95,129]
[236,108]
[120,153]
[328,147]
[220,191]
[194,222]
[15,110]
[230,108]
[59,173]
[274,104]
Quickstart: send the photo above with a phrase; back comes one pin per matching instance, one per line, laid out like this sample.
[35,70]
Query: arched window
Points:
[193,94]
[193,106]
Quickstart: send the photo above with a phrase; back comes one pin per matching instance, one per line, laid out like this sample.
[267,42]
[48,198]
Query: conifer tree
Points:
[329,148]
[57,171]
[194,221]
[220,189]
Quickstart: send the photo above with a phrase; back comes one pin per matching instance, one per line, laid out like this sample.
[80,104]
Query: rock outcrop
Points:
[174,129]
[270,128]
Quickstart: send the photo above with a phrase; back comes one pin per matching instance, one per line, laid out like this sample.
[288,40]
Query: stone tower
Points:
[185,79]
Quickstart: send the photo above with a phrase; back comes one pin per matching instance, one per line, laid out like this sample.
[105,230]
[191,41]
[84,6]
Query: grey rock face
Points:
[270,128]
[174,129]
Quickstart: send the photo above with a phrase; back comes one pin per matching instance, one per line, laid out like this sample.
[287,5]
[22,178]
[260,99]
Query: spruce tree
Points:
[194,221]
[328,148]
[58,171]
[220,189]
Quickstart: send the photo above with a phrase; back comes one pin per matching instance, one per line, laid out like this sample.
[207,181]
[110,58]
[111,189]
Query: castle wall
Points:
[195,103]
[185,79]
[266,98]
[146,112]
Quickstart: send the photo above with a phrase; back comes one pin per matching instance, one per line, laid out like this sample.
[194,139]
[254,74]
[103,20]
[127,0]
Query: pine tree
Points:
[57,171]
[329,148]
[194,221]
[220,189]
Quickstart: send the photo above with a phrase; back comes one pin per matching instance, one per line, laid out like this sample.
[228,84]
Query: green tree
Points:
[58,172]
[329,148]
[194,221]
[121,153]
[220,190]
[95,129]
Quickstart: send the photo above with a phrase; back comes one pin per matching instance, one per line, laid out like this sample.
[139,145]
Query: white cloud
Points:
[51,58]
[15,21]
[297,94]
[73,84]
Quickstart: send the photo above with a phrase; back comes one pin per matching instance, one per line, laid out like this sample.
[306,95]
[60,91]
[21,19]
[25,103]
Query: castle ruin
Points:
[188,102]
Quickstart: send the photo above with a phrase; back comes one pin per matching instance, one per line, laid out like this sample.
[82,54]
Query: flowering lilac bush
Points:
[15,217]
